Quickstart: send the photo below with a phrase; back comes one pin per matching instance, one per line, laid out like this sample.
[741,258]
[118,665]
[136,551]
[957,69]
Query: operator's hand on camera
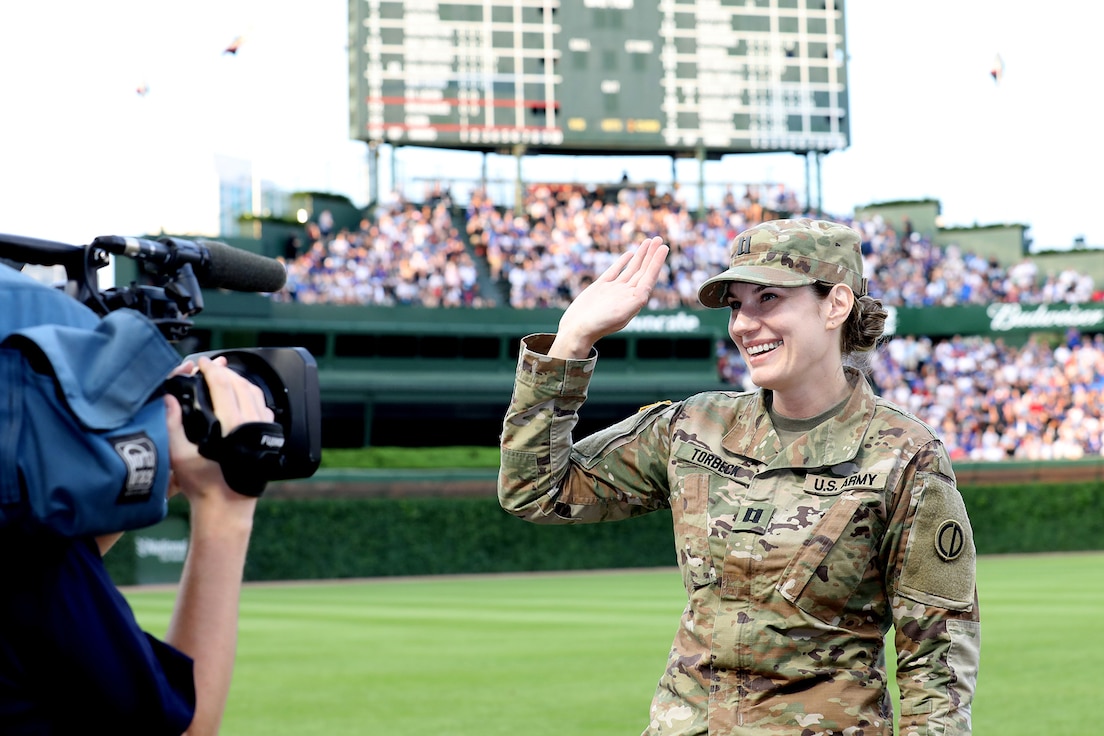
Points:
[611,301]
[235,401]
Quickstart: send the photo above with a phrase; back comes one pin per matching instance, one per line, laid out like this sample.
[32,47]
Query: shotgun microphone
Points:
[216,265]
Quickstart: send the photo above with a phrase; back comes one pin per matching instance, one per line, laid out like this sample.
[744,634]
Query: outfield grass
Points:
[579,654]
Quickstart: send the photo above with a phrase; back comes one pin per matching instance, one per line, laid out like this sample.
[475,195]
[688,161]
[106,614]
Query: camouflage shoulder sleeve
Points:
[931,576]
[543,476]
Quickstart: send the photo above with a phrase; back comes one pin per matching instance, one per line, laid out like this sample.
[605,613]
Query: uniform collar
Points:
[833,442]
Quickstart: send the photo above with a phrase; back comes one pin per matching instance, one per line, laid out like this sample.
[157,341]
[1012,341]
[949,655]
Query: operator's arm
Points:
[107,541]
[204,623]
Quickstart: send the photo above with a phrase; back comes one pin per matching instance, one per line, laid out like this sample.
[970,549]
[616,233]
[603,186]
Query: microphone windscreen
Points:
[239,270]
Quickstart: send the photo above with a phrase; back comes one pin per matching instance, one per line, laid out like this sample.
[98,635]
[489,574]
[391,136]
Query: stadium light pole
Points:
[701,156]
[519,190]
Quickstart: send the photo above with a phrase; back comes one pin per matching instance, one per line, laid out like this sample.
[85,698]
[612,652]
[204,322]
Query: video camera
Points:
[173,271]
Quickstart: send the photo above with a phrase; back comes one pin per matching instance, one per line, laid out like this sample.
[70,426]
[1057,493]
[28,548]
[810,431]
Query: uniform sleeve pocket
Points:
[940,559]
[821,577]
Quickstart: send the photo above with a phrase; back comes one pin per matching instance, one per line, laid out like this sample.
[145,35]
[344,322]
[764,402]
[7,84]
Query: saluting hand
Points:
[608,304]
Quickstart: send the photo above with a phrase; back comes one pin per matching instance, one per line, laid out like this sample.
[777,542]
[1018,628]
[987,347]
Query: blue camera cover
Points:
[83,440]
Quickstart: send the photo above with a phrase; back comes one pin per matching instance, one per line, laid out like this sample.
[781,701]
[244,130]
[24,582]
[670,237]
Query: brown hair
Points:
[863,327]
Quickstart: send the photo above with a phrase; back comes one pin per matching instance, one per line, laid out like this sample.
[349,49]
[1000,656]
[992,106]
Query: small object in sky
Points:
[234,46]
[997,70]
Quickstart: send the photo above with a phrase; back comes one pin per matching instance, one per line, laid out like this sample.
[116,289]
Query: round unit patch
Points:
[950,540]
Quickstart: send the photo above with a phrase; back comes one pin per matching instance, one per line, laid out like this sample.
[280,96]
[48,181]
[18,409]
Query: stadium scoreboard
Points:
[590,76]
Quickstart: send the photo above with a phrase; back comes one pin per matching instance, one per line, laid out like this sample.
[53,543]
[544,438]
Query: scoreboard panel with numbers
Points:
[591,76]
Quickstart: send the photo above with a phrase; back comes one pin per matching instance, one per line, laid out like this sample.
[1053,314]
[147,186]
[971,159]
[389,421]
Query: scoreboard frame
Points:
[677,77]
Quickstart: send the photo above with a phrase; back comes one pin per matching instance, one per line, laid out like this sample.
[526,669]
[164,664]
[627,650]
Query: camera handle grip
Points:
[248,456]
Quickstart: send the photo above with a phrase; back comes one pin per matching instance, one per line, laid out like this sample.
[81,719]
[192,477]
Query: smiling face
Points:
[790,340]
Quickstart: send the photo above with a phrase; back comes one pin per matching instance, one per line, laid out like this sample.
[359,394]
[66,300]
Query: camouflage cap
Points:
[790,253]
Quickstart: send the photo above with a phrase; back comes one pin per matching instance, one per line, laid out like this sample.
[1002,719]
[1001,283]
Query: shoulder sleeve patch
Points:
[940,559]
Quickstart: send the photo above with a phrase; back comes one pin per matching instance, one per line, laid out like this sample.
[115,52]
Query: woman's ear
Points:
[840,301]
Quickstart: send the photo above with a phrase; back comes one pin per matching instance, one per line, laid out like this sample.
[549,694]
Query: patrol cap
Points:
[790,253]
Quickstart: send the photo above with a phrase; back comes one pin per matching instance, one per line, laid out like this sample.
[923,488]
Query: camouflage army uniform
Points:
[796,561]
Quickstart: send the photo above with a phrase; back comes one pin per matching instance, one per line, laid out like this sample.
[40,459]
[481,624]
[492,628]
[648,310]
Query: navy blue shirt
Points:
[73,659]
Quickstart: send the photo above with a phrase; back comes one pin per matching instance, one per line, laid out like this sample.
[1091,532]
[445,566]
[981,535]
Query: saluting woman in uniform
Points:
[810,516]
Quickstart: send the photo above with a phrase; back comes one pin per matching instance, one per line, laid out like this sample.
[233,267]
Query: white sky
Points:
[82,154]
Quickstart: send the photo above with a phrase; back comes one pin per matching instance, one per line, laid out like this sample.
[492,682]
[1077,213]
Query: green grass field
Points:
[579,654]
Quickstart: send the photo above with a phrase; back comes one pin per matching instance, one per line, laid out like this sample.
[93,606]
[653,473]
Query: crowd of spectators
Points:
[409,255]
[990,401]
[912,271]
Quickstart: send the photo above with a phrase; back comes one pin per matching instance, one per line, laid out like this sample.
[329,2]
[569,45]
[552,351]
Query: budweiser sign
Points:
[1005,317]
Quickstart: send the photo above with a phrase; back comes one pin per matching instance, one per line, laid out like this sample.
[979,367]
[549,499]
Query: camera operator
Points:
[72,656]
